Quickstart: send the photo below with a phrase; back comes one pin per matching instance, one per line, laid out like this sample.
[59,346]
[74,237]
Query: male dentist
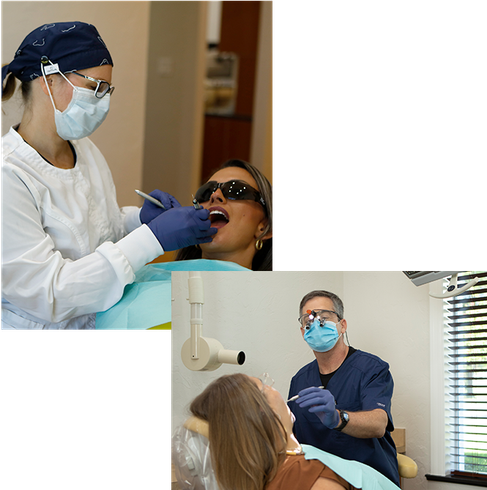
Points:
[344,402]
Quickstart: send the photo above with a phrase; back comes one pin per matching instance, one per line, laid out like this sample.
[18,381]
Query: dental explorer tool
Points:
[196,204]
[150,198]
[295,397]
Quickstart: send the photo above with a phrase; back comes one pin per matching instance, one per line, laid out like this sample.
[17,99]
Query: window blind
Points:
[466,336]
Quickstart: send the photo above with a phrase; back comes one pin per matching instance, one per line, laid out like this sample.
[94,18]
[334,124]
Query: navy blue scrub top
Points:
[362,383]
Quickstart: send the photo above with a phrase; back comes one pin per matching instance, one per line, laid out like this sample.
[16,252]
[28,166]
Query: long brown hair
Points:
[247,440]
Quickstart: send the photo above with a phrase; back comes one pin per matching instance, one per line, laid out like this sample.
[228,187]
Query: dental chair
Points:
[192,463]
[407,467]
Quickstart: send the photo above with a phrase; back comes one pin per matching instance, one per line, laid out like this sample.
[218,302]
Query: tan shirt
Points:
[297,473]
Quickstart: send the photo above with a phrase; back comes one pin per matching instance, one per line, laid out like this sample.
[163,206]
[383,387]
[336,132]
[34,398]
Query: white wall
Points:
[256,312]
[214,21]
[392,316]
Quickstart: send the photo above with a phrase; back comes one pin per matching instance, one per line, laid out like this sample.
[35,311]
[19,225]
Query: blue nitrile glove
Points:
[181,227]
[150,211]
[322,403]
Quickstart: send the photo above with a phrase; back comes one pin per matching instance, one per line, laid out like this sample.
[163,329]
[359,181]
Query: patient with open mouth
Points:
[239,199]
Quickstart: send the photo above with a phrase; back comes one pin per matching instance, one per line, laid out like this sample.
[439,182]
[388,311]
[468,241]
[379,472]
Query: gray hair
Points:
[337,302]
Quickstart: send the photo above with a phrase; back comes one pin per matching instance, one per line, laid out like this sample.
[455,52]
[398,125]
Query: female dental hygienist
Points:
[68,249]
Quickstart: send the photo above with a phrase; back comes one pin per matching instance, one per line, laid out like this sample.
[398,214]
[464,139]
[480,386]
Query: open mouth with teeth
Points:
[218,217]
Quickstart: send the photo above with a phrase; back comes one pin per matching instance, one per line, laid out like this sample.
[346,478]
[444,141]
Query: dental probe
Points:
[150,198]
[196,204]
[295,397]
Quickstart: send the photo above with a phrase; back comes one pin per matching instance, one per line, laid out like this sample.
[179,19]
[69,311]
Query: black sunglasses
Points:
[233,189]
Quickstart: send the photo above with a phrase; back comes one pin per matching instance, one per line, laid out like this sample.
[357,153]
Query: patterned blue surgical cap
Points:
[72,45]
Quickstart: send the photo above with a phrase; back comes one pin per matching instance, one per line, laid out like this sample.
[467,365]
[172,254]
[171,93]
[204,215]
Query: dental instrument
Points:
[196,204]
[150,198]
[295,397]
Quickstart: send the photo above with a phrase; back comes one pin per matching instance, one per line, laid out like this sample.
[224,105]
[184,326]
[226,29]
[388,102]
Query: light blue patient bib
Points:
[146,303]
[358,474]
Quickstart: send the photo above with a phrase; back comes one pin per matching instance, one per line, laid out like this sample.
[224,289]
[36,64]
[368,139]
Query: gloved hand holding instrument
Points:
[322,403]
[181,227]
[151,210]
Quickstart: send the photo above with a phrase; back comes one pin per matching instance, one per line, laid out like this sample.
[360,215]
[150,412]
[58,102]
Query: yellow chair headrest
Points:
[197,425]
[407,467]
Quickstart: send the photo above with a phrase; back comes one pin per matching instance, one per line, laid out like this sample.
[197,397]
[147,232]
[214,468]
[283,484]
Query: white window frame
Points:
[439,463]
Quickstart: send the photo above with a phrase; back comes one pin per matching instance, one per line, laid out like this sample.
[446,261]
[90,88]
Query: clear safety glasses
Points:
[233,189]
[266,381]
[102,87]
[306,320]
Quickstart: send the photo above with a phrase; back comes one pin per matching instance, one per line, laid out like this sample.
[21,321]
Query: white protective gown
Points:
[68,250]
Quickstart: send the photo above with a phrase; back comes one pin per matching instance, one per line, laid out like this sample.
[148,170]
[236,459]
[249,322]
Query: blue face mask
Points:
[322,338]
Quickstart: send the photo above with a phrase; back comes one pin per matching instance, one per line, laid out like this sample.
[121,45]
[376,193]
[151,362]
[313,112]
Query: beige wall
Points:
[175,98]
[175,103]
[261,151]
[152,137]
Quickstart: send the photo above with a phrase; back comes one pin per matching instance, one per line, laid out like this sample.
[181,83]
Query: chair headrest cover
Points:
[191,456]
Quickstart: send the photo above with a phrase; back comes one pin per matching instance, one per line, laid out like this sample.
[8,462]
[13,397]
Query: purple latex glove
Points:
[150,211]
[181,227]
[322,403]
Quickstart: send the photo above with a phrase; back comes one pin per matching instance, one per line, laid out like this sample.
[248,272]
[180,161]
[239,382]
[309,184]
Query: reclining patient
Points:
[239,198]
[249,429]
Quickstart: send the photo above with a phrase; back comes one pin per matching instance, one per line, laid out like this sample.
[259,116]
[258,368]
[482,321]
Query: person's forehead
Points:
[266,389]
[99,72]
[257,381]
[319,303]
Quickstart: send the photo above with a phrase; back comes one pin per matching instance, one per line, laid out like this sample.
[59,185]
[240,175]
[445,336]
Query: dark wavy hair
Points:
[262,260]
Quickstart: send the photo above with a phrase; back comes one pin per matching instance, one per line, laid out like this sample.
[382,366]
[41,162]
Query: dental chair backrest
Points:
[191,456]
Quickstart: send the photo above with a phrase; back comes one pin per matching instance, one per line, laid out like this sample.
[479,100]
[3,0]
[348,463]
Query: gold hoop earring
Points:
[259,244]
